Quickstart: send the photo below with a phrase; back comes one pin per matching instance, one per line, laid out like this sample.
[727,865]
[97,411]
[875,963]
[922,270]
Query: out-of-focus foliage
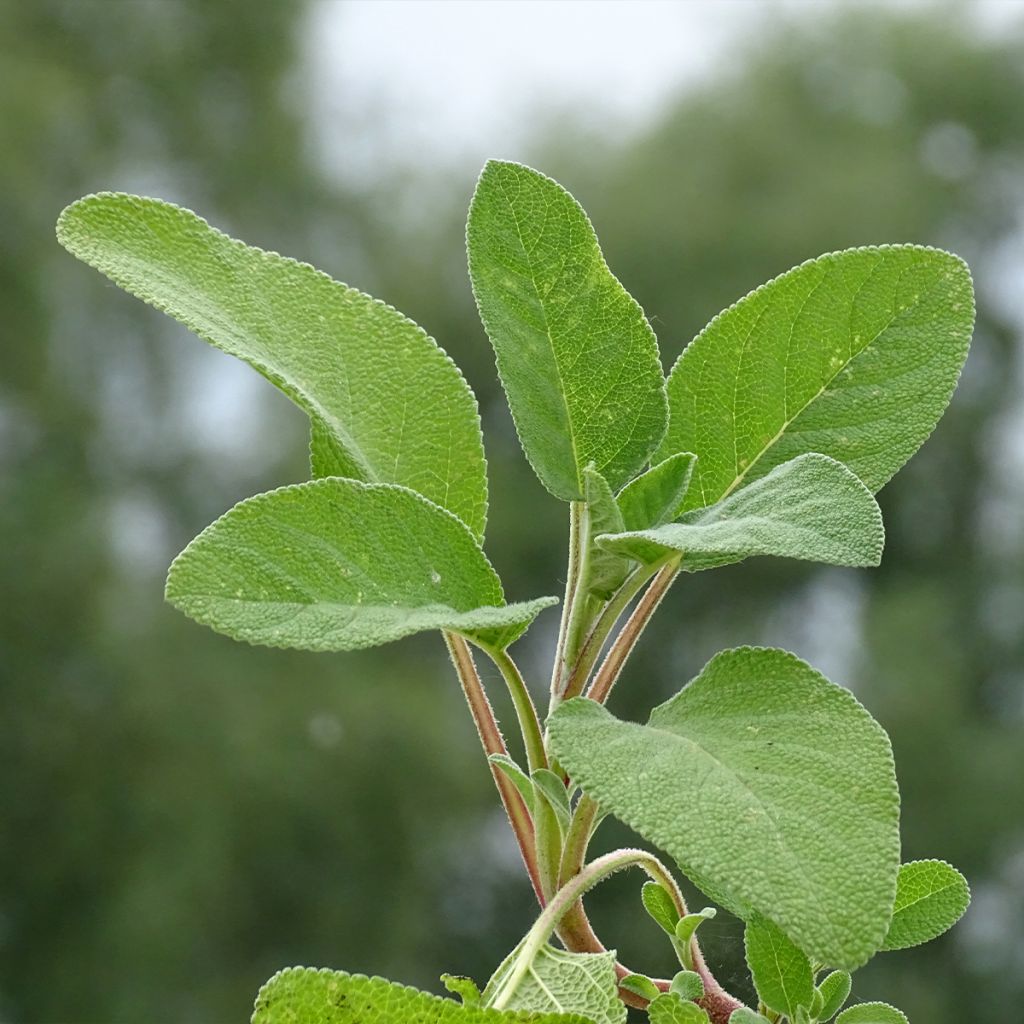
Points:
[183,815]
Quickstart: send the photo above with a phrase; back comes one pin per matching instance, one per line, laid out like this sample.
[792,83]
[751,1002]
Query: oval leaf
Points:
[301,994]
[931,896]
[577,358]
[672,1008]
[834,992]
[656,497]
[811,508]
[772,787]
[854,354]
[336,565]
[387,405]
[872,1013]
[781,971]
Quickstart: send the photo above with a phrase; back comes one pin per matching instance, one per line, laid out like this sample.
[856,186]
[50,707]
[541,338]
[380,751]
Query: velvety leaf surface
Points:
[673,1009]
[854,354]
[386,404]
[744,1015]
[603,570]
[781,971]
[772,787]
[834,990]
[872,1013]
[561,982]
[811,508]
[301,995]
[577,358]
[335,565]
[931,896]
[656,496]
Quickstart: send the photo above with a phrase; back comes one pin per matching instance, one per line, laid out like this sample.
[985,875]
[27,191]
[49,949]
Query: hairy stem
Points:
[526,711]
[622,646]
[574,852]
[576,513]
[494,743]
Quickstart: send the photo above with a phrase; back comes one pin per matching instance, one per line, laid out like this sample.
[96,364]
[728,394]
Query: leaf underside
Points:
[301,995]
[672,1009]
[576,356]
[337,565]
[931,896]
[773,789]
[811,508]
[386,404]
[854,354]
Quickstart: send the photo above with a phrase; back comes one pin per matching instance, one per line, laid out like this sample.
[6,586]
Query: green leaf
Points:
[517,776]
[854,355]
[656,497]
[551,788]
[686,926]
[301,995]
[576,356]
[931,896]
[744,1015]
[835,990]
[336,565]
[640,985]
[603,570]
[872,1013]
[772,787]
[673,1009]
[688,985]
[465,988]
[658,903]
[562,982]
[386,404]
[811,508]
[781,972]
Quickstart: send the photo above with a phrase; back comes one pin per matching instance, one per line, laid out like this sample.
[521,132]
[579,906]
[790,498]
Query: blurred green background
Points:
[181,816]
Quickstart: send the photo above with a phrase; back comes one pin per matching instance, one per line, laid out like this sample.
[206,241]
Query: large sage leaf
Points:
[772,787]
[812,508]
[386,404]
[854,354]
[781,971]
[301,995]
[560,982]
[577,358]
[931,896]
[335,565]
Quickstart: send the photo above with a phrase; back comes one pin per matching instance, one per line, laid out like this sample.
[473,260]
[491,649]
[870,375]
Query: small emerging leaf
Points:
[640,985]
[604,571]
[336,565]
[688,985]
[812,508]
[551,788]
[658,903]
[561,982]
[656,497]
[779,746]
[744,1015]
[670,1008]
[931,896]
[872,1013]
[465,988]
[686,926]
[386,404]
[576,356]
[781,972]
[517,776]
[854,354]
[301,995]
[835,990]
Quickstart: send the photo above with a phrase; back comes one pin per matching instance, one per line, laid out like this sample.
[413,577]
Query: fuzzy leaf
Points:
[931,896]
[854,354]
[562,982]
[336,565]
[772,787]
[516,776]
[671,1008]
[301,995]
[872,1013]
[688,985]
[811,508]
[577,358]
[835,990]
[604,570]
[658,903]
[548,786]
[656,497]
[781,972]
[465,988]
[744,1015]
[640,985]
[386,404]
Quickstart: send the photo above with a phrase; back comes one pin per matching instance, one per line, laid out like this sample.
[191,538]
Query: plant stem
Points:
[623,645]
[567,897]
[576,513]
[493,743]
[526,711]
[574,852]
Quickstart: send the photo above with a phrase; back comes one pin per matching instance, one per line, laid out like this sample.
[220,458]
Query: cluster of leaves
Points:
[772,788]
